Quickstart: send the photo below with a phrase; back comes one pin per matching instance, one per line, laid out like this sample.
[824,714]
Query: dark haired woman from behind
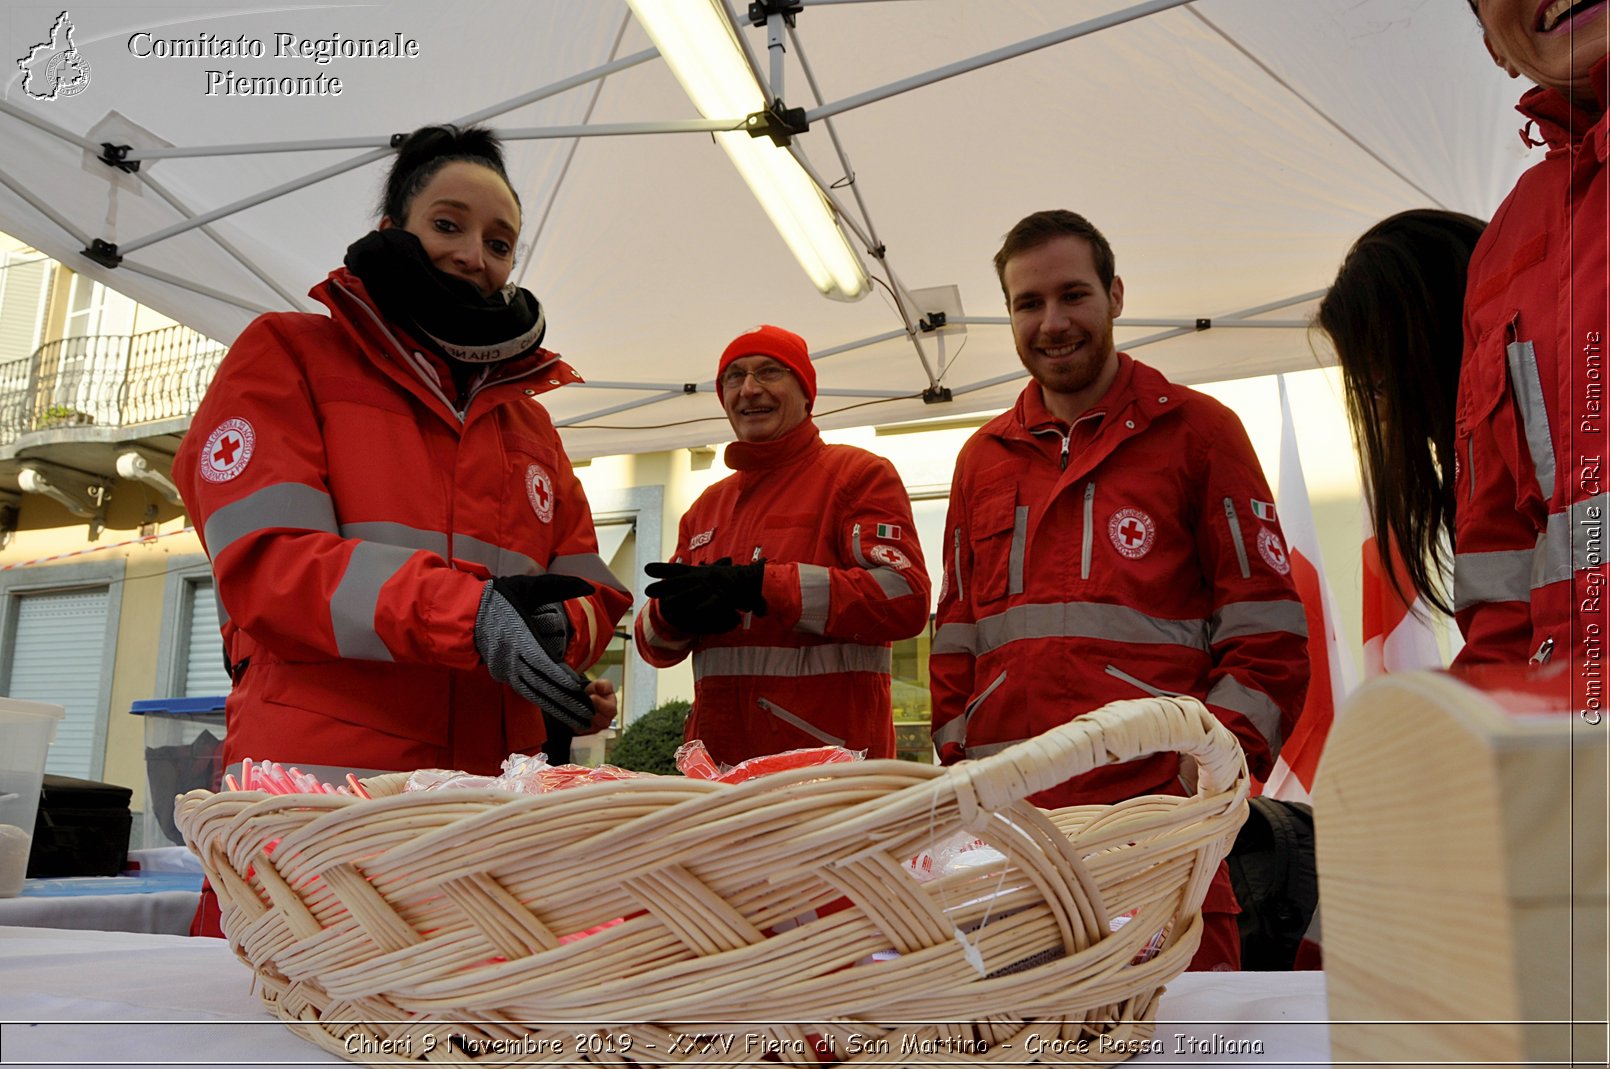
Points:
[406,567]
[1395,316]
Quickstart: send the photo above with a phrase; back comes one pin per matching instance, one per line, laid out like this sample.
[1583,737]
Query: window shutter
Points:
[204,674]
[56,658]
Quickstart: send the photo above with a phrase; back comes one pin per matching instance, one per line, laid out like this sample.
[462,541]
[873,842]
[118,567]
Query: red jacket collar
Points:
[1137,386]
[1559,122]
[343,293]
[794,446]
[1032,413]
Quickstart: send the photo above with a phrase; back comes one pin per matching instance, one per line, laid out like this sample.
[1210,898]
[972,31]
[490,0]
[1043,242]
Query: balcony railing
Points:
[108,380]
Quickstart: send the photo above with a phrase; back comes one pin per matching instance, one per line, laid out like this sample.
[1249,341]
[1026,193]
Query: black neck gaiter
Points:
[446,313]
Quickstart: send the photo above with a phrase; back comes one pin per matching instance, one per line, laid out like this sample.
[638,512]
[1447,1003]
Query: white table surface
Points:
[160,901]
[77,998]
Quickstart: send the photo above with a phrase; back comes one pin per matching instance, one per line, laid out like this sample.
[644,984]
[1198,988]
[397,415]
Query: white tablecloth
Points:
[70,998]
[161,899]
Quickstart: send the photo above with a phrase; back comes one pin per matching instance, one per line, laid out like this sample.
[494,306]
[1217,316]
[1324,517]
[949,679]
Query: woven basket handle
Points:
[1114,733]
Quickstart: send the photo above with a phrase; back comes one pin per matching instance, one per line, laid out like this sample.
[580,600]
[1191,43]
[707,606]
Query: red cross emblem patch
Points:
[228,449]
[1272,552]
[539,489]
[1132,532]
[890,556]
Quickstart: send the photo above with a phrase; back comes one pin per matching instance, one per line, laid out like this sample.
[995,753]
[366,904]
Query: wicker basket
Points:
[427,926]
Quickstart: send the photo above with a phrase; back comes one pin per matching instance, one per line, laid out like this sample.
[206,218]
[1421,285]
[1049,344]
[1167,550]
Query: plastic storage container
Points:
[184,746]
[26,731]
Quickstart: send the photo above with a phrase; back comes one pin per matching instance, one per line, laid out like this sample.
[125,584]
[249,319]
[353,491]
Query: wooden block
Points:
[1462,867]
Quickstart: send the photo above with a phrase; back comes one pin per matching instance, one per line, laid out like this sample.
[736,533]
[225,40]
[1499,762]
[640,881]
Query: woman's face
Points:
[1534,38]
[468,220]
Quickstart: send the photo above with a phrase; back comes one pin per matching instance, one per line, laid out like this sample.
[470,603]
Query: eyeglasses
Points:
[770,375]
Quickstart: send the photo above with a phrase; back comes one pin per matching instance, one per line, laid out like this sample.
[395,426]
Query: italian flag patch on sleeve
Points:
[891,531]
[1264,510]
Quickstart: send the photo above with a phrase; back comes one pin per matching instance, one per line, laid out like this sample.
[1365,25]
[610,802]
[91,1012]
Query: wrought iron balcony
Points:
[107,380]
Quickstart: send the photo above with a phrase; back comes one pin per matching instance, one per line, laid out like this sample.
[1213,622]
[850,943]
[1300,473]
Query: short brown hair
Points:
[1035,230]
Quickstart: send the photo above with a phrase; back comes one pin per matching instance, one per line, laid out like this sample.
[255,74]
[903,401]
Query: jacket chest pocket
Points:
[782,536]
[1502,386]
[999,527]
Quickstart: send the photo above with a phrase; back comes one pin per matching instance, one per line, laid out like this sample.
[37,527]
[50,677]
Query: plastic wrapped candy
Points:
[695,762]
[522,774]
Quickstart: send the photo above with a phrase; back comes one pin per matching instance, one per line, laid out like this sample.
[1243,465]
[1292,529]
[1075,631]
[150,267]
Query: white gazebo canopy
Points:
[1231,150]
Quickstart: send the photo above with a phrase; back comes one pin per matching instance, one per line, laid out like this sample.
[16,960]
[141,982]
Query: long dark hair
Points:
[427,150]
[1395,315]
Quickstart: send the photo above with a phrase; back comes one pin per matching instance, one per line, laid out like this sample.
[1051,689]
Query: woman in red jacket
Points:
[406,566]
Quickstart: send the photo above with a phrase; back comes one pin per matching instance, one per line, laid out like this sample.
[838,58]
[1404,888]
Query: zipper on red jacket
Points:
[956,546]
[1090,516]
[799,723]
[1235,536]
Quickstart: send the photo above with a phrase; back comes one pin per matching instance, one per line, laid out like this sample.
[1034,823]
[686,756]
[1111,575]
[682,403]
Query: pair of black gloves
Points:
[521,632]
[707,599]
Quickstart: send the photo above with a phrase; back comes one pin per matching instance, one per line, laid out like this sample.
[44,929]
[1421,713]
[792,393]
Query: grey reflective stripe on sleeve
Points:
[1081,619]
[1238,619]
[814,583]
[1482,578]
[352,606]
[284,506]
[788,661]
[1528,386]
[495,559]
[1090,519]
[1255,705]
[398,534]
[657,640]
[1573,541]
[892,583]
[1235,537]
[803,725]
[1014,562]
[588,566]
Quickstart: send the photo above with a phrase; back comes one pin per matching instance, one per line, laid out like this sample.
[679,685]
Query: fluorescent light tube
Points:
[699,45]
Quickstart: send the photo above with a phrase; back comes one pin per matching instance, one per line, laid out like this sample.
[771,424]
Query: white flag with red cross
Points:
[1330,668]
[1399,635]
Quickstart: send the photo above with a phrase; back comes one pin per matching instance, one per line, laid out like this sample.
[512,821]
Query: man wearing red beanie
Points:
[791,645]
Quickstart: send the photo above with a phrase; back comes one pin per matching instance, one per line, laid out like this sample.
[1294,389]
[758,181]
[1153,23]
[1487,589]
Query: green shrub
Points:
[649,743]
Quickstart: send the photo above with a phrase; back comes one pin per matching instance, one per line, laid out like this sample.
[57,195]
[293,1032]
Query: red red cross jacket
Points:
[1147,562]
[353,516]
[1529,576]
[844,579]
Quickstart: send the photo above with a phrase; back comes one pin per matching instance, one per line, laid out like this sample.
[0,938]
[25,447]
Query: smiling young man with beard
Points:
[1111,536]
[1529,574]
[790,644]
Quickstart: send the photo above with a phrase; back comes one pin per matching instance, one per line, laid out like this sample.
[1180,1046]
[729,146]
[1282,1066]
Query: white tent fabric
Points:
[1230,149]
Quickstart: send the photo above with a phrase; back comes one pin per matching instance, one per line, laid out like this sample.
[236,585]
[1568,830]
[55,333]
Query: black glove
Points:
[521,632]
[705,599]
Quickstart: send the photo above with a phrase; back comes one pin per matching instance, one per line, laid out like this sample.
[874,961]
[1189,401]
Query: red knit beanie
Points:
[783,346]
